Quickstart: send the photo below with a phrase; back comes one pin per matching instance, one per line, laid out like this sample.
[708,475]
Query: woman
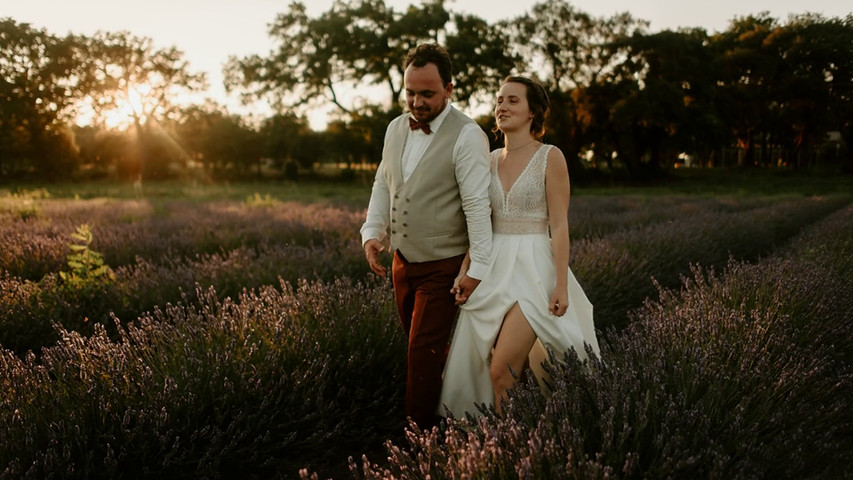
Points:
[529,295]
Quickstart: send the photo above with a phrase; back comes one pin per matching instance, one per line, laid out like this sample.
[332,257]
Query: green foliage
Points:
[31,194]
[86,266]
[364,42]
[256,200]
[27,212]
[37,89]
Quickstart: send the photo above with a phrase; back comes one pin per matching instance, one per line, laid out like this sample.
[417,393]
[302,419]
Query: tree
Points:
[315,57]
[37,88]
[841,87]
[101,150]
[281,134]
[572,52]
[747,72]
[813,81]
[671,108]
[480,57]
[783,87]
[362,43]
[569,47]
[127,74]
[224,144]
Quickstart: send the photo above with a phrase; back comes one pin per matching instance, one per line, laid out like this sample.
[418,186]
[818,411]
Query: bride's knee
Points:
[502,376]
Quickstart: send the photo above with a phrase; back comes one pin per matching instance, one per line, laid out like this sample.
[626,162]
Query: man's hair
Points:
[426,53]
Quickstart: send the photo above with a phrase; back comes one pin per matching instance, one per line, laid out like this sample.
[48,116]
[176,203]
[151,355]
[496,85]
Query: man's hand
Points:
[463,288]
[372,248]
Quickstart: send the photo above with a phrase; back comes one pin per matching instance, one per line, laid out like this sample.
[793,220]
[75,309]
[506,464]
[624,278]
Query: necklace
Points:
[509,150]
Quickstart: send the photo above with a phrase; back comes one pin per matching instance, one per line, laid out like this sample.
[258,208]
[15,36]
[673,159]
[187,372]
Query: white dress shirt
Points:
[471,160]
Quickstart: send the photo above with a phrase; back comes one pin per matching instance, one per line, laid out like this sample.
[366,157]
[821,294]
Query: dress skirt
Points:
[521,270]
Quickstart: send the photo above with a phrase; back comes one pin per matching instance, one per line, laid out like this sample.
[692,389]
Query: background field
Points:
[237,330]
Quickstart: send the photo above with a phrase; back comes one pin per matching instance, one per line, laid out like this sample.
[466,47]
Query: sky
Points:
[209,31]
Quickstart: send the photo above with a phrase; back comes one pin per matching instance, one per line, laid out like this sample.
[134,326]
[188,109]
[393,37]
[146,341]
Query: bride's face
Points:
[512,112]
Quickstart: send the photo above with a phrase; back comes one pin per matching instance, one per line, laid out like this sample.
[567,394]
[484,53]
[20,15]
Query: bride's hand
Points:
[559,302]
[466,287]
[458,289]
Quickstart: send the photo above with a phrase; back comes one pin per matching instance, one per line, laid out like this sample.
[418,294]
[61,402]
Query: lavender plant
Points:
[133,229]
[192,364]
[28,309]
[617,270]
[254,387]
[743,374]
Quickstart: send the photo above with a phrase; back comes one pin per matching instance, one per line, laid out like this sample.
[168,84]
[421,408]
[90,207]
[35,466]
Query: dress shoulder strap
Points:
[540,158]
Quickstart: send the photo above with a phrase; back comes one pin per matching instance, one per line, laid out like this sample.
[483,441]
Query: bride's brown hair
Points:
[537,100]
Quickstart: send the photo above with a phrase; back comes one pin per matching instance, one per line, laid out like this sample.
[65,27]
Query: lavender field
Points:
[220,336]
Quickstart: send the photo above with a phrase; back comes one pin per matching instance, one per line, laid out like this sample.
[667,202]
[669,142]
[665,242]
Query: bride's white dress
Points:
[521,270]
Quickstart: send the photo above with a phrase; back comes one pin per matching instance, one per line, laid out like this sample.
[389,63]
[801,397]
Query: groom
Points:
[431,189]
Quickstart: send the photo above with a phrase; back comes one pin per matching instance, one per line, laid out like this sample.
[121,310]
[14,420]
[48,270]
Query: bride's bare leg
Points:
[514,343]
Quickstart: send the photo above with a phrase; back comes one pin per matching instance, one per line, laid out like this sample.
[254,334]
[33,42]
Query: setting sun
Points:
[125,107]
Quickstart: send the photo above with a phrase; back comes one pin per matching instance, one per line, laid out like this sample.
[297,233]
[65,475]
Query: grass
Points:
[314,192]
[689,181]
[728,181]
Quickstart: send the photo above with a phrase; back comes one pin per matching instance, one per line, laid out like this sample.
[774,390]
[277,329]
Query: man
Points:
[431,189]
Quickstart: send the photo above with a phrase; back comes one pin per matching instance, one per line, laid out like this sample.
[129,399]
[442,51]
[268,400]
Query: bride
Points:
[529,299]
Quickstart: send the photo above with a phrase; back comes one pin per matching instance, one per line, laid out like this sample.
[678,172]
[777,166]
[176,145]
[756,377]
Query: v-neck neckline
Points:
[506,191]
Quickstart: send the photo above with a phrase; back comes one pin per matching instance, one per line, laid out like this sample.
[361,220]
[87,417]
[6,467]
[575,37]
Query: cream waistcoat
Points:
[427,221]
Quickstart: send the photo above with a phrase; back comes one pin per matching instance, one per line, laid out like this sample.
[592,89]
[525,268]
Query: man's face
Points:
[426,96]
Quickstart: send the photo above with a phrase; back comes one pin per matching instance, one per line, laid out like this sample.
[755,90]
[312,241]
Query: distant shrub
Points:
[26,212]
[257,200]
[31,194]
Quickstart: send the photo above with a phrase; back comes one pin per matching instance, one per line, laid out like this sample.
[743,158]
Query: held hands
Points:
[463,286]
[559,302]
[372,249]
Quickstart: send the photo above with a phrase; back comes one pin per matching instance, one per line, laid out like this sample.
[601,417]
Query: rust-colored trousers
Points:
[427,312]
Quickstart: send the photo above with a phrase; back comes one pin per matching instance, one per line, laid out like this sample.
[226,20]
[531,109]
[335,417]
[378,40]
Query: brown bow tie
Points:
[414,125]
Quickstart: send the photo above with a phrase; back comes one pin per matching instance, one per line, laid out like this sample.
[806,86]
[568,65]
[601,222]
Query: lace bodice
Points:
[524,208]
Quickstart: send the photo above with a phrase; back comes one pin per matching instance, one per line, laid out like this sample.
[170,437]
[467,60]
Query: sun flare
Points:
[133,103]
